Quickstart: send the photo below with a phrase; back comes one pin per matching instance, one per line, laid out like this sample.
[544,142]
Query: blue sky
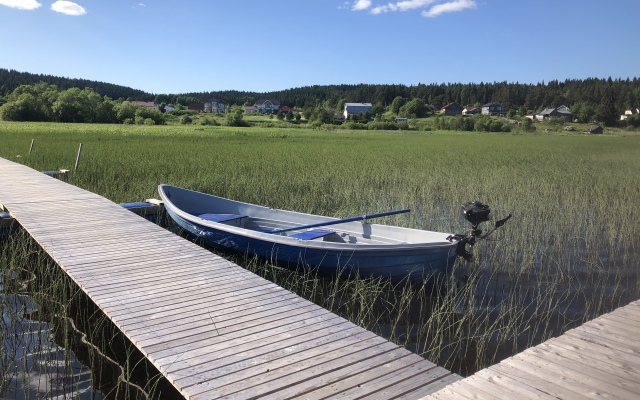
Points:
[207,45]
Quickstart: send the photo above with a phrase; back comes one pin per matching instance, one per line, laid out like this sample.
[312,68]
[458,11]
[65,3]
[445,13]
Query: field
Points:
[568,254]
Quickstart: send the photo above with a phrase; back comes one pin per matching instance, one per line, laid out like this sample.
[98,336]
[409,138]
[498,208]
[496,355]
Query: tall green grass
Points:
[568,255]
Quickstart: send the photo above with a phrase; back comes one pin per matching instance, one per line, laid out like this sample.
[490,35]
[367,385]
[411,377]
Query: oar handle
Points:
[341,221]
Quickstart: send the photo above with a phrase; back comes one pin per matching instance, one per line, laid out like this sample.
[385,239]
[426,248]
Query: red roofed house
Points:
[286,109]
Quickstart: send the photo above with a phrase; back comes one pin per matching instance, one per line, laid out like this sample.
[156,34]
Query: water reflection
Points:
[34,366]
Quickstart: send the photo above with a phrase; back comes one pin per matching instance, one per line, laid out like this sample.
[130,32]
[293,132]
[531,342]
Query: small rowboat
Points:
[348,246]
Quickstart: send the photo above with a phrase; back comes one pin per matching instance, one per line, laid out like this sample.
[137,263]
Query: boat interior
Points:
[340,233]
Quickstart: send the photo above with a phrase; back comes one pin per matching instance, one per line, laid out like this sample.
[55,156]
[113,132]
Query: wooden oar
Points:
[339,221]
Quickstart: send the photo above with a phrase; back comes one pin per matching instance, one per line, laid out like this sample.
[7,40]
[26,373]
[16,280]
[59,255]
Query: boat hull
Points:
[398,263]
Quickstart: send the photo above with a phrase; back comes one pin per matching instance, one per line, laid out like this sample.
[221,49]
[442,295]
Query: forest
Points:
[593,98]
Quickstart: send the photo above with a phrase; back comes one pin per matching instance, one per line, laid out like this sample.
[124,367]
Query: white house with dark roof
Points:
[215,106]
[492,109]
[267,106]
[629,112]
[351,109]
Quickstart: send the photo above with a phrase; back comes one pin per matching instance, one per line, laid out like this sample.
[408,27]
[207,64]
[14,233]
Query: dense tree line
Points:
[534,97]
[10,80]
[43,102]
[589,99]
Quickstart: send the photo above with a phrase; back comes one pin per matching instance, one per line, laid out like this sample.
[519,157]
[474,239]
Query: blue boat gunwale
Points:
[287,240]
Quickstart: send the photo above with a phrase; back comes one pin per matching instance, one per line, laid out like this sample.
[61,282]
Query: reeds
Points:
[568,255]
[51,330]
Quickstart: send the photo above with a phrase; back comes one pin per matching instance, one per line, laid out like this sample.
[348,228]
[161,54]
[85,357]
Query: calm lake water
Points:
[35,365]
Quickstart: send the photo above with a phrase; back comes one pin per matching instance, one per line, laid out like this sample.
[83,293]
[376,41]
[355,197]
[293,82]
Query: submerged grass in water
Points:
[568,255]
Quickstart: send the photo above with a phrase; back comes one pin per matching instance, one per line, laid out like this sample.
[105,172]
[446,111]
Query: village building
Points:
[267,106]
[215,106]
[451,109]
[469,110]
[560,112]
[250,109]
[594,129]
[197,107]
[351,109]
[629,112]
[493,109]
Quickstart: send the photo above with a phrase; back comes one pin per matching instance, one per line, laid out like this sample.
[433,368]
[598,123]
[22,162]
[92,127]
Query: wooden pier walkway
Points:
[213,329]
[600,359]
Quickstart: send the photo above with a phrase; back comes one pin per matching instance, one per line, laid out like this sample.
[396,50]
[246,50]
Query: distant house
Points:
[250,109]
[561,112]
[594,129]
[199,107]
[451,109]
[215,106]
[351,109]
[286,110]
[629,112]
[401,120]
[267,106]
[493,109]
[470,110]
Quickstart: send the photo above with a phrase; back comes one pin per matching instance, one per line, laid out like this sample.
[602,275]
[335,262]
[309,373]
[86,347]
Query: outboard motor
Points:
[476,213]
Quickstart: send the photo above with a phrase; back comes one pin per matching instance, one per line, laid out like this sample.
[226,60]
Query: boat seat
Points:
[220,217]
[313,234]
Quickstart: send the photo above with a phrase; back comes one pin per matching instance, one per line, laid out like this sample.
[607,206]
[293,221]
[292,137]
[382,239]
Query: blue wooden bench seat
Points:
[220,217]
[313,234]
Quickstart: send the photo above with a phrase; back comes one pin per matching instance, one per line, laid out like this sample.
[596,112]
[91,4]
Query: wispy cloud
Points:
[21,4]
[405,5]
[430,8]
[68,7]
[452,6]
[361,5]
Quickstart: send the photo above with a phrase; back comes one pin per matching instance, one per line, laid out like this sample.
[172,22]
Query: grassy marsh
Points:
[569,254]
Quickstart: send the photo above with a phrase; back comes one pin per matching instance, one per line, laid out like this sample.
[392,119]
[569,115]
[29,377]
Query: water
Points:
[46,351]
[34,366]
[45,359]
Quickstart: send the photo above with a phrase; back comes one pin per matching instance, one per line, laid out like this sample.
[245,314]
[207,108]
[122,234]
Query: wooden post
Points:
[78,158]
[31,147]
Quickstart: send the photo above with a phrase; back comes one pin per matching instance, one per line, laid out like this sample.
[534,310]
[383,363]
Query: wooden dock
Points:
[600,359]
[213,329]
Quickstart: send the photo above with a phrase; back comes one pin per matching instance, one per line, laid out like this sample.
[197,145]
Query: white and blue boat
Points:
[347,246]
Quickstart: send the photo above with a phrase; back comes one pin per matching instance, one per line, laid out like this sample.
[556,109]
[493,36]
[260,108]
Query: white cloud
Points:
[361,5]
[21,4]
[68,7]
[453,6]
[405,5]
[434,11]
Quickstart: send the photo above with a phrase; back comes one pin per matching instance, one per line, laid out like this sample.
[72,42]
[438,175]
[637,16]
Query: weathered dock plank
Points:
[600,359]
[212,328]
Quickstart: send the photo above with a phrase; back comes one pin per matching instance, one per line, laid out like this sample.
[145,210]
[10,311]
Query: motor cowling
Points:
[476,213]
